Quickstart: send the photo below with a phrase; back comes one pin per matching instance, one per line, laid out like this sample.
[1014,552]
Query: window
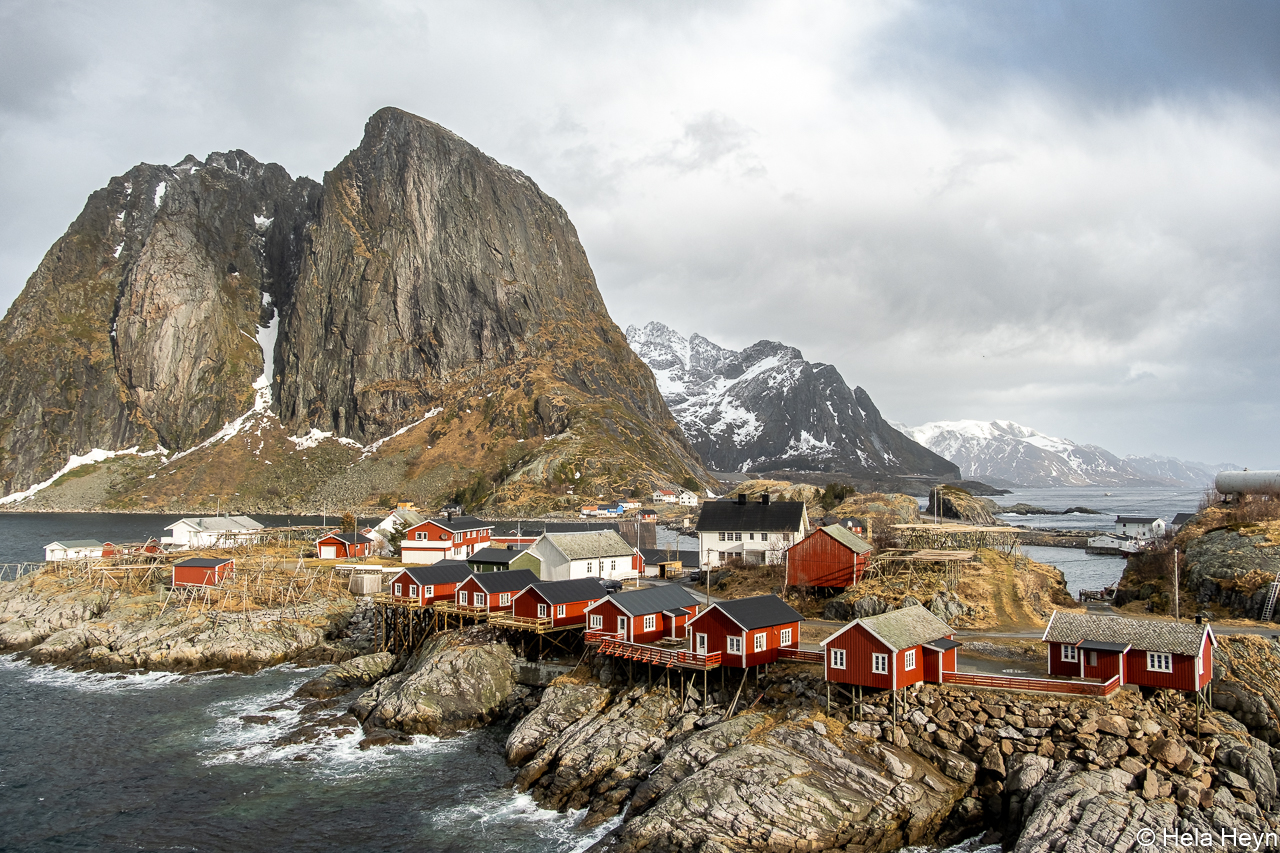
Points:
[735,645]
[419,536]
[588,567]
[1200,664]
[737,537]
[909,660]
[751,537]
[761,641]
[457,537]
[597,622]
[1159,662]
[722,535]
[504,599]
[651,622]
[764,537]
[1093,658]
[479,599]
[428,592]
[542,611]
[1070,653]
[837,658]
[413,590]
[613,565]
[879,663]
[395,588]
[785,637]
[462,598]
[559,611]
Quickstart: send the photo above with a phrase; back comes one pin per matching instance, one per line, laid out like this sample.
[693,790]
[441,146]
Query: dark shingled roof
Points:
[654,599]
[459,523]
[759,611]
[203,563]
[1148,635]
[943,645]
[653,556]
[1183,517]
[1136,519]
[574,589]
[445,571]
[494,556]
[509,581]
[776,517]
[1097,646]
[349,538]
[537,528]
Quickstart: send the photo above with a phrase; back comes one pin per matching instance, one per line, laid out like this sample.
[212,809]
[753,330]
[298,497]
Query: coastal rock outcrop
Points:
[358,672]
[456,681]
[563,703]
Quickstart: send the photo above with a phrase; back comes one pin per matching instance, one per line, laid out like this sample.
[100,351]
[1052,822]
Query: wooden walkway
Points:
[659,656]
[1032,685]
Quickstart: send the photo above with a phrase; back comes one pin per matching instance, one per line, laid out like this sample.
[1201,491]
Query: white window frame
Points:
[479,599]
[559,611]
[761,641]
[457,537]
[622,625]
[734,645]
[428,592]
[613,566]
[784,637]
[419,536]
[504,599]
[1070,653]
[396,590]
[879,663]
[837,658]
[722,536]
[1200,664]
[1159,662]
[650,622]
[597,621]
[413,590]
[462,597]
[909,660]
[542,612]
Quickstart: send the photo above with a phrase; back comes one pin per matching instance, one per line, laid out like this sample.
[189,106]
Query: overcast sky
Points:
[1064,214]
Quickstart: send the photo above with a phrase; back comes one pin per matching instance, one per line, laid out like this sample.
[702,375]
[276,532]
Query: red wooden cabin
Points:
[343,546]
[892,650]
[563,602]
[426,585]
[746,631]
[444,538]
[643,615]
[200,571]
[830,556]
[492,592]
[1143,652]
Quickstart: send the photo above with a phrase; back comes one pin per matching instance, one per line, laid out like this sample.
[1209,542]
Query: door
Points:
[328,552]
[700,643]
[622,626]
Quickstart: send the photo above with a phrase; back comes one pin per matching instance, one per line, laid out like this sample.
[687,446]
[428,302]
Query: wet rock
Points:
[356,673]
[563,704]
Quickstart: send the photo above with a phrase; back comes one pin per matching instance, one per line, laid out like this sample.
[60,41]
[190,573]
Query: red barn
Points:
[1143,652]
[444,538]
[830,556]
[428,584]
[202,572]
[643,615]
[563,602]
[746,631]
[892,650]
[343,546]
[490,592]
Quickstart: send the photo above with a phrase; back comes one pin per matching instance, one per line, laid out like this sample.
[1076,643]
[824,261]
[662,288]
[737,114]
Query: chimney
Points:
[450,514]
[1199,619]
[742,499]
[764,499]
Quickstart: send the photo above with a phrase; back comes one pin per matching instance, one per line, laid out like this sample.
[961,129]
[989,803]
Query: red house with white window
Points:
[746,631]
[565,603]
[425,585]
[1143,652]
[643,615]
[832,556]
[343,546]
[892,650]
[202,572]
[451,538]
[492,592]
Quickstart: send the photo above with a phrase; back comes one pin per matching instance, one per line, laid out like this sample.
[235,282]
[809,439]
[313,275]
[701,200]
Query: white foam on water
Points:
[99,682]
[971,845]
[502,810]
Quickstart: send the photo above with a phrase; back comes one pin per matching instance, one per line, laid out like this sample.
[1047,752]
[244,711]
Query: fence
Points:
[1033,685]
[13,571]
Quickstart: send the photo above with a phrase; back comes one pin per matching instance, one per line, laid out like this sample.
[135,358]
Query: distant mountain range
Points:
[767,409]
[1004,453]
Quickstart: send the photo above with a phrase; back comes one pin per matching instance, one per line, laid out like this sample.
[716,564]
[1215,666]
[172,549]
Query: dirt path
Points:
[1011,612]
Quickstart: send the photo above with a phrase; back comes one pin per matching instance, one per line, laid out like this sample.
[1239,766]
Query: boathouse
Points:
[504,559]
[832,556]
[490,592]
[343,546]
[597,553]
[202,571]
[1142,652]
[642,615]
[892,650]
[73,549]
[556,604]
[746,631]
[423,586]
[438,539]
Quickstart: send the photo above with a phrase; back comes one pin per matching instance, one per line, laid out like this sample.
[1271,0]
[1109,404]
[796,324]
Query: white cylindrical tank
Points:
[1248,483]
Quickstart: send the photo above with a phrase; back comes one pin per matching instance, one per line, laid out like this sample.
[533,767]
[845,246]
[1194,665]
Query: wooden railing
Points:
[397,600]
[461,609]
[1034,685]
[527,623]
[596,636]
[659,655]
[806,655]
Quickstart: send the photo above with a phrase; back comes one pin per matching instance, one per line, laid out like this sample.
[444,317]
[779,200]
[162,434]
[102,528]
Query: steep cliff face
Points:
[139,327]
[425,320]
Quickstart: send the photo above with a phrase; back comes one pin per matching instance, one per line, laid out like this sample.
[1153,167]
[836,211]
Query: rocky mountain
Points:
[424,321]
[1008,454]
[767,409]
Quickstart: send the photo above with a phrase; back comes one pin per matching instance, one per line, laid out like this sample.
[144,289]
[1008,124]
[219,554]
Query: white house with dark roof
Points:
[753,531]
[1140,526]
[590,554]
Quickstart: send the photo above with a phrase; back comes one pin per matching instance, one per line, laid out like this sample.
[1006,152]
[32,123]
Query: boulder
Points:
[1168,751]
[853,605]
[563,703]
[345,677]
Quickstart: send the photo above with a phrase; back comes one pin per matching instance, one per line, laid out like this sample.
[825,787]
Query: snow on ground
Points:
[160,190]
[92,457]
[262,223]
[372,448]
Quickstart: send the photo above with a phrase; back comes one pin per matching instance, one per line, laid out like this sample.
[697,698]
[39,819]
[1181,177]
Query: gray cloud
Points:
[1059,213]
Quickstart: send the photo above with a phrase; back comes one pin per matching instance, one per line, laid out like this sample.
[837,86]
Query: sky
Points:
[1065,214]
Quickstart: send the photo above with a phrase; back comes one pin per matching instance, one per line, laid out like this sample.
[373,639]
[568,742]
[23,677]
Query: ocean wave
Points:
[100,682]
[499,811]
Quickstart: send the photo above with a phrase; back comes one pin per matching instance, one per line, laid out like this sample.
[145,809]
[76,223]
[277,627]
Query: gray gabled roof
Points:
[591,545]
[847,538]
[220,523]
[461,523]
[508,581]
[537,528]
[901,629]
[495,556]
[759,611]
[1148,635]
[653,599]
[441,572]
[203,563]
[349,538]
[1136,519]
[574,589]
[76,543]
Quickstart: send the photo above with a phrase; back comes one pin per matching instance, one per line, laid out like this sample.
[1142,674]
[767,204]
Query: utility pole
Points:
[1176,613]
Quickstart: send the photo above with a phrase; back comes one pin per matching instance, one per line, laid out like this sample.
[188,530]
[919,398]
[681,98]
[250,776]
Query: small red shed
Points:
[892,650]
[343,546]
[643,615]
[493,591]
[200,571]
[831,556]
[1143,652]
[746,631]
[563,602]
[428,584]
